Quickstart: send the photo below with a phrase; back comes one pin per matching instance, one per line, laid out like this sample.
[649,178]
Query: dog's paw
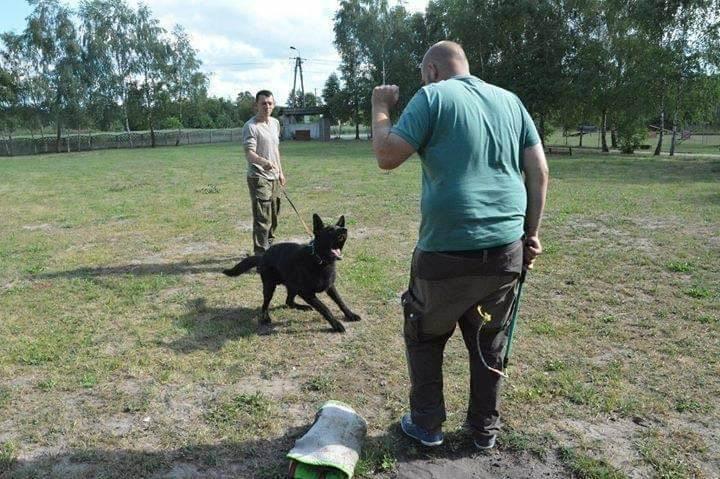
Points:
[338,327]
[352,317]
[266,329]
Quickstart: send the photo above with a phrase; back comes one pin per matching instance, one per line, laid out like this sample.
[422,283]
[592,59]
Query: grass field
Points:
[125,353]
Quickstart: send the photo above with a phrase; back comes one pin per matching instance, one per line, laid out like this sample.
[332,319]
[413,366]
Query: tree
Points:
[8,88]
[348,43]
[671,29]
[377,44]
[244,104]
[185,79]
[109,54]
[8,103]
[338,103]
[520,46]
[53,47]
[153,63]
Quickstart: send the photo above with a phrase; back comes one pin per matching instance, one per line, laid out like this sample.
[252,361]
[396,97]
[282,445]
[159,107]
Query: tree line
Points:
[622,66]
[105,66]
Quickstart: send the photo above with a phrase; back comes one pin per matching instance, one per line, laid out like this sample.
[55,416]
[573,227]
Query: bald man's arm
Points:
[390,149]
[536,182]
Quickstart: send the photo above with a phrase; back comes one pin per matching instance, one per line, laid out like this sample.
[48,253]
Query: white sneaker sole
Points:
[485,448]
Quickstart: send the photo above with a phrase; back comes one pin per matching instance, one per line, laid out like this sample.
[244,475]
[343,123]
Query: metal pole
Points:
[302,86]
[292,95]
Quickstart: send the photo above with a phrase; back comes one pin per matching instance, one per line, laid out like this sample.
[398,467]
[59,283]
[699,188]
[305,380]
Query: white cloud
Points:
[245,44]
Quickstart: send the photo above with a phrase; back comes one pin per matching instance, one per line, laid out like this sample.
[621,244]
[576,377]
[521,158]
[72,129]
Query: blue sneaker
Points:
[420,434]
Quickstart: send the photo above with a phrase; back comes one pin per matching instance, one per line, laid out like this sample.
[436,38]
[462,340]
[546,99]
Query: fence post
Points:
[210,136]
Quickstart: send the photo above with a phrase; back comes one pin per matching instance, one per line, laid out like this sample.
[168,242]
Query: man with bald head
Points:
[484,180]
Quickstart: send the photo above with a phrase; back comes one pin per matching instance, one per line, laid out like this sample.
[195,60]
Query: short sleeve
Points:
[529,135]
[414,123]
[249,137]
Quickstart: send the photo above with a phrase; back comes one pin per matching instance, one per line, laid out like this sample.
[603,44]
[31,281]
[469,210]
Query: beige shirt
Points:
[263,138]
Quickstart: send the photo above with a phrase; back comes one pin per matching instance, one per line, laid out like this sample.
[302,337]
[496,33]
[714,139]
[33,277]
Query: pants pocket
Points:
[412,327]
[263,189]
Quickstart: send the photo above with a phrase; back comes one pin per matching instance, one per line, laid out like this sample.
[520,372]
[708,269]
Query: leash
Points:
[513,321]
[485,318]
[307,230]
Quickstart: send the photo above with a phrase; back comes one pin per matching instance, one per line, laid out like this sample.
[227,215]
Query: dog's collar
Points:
[318,259]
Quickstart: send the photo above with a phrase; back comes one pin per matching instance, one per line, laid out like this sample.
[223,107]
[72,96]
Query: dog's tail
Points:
[243,266]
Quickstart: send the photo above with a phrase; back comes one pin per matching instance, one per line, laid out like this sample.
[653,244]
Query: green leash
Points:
[513,321]
[511,328]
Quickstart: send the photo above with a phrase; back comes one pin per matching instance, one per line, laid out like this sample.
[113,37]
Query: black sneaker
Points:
[485,442]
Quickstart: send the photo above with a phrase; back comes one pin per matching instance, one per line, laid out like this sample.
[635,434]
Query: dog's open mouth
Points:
[336,252]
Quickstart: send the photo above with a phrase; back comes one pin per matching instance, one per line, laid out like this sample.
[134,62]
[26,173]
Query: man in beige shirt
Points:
[261,137]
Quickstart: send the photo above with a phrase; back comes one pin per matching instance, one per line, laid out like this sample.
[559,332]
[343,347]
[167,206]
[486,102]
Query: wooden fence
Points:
[104,141]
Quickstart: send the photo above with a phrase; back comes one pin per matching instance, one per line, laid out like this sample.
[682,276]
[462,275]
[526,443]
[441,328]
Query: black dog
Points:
[305,270]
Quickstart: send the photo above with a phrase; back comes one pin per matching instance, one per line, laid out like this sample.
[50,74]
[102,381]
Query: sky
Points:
[245,44]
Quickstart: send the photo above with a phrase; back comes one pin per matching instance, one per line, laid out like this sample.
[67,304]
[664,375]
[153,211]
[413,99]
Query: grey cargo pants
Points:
[265,200]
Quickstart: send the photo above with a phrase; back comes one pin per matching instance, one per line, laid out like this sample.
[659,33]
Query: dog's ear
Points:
[317,223]
[341,222]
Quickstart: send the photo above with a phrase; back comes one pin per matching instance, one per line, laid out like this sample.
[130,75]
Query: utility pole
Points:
[298,67]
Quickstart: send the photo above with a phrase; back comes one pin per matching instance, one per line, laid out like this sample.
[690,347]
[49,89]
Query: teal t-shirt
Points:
[470,136]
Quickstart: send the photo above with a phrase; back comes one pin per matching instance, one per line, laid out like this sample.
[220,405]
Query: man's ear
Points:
[341,222]
[317,223]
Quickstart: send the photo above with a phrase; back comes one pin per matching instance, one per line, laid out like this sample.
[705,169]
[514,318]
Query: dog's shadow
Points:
[210,328]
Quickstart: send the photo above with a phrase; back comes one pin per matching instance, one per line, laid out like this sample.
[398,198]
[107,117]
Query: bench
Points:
[558,150]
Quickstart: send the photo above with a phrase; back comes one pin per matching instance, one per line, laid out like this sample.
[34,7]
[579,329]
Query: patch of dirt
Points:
[194,247]
[654,223]
[244,226]
[40,227]
[613,440]
[607,357]
[493,465]
[118,425]
[275,387]
[293,239]
[363,233]
[16,284]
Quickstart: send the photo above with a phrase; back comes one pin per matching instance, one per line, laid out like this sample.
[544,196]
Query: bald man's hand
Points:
[385,96]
